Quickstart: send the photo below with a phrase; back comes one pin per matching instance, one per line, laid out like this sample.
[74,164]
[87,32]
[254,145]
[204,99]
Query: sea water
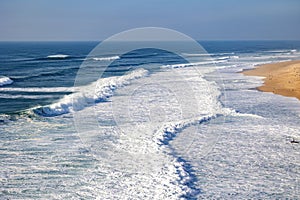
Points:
[165,128]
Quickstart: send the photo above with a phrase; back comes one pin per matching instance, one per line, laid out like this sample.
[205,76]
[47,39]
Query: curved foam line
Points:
[186,178]
[86,96]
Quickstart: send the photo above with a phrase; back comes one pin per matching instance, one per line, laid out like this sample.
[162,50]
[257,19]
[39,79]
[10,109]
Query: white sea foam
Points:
[4,118]
[5,81]
[272,57]
[58,56]
[193,64]
[245,115]
[169,130]
[174,99]
[197,100]
[206,54]
[88,95]
[10,96]
[223,58]
[195,54]
[293,50]
[282,51]
[124,170]
[38,89]
[234,57]
[106,58]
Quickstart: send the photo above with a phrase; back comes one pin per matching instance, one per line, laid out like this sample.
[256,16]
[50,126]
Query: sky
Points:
[95,20]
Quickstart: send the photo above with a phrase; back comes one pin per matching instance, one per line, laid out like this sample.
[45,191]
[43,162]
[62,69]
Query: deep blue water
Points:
[28,65]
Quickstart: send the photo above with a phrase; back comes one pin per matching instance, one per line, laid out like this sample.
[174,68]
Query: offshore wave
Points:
[49,57]
[45,58]
[5,81]
[58,56]
[227,57]
[60,72]
[86,96]
[9,96]
[207,54]
[193,64]
[106,58]
[38,89]
[282,51]
[272,57]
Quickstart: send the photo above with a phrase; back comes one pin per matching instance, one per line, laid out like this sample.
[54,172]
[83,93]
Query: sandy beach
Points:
[281,78]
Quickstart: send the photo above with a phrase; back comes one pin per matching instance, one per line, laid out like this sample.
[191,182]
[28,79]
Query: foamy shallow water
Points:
[226,156]
[253,157]
[184,131]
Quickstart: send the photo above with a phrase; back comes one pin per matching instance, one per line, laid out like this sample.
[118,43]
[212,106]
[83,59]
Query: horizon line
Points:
[198,40]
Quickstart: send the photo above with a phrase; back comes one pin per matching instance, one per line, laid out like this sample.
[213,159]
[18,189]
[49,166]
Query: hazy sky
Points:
[99,19]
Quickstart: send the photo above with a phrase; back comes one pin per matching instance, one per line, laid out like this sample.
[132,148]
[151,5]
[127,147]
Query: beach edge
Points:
[281,78]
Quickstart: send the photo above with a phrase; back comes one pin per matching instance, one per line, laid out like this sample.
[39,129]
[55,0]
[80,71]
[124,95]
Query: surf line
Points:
[186,177]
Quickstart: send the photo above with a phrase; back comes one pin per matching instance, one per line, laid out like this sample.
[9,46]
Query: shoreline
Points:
[282,78]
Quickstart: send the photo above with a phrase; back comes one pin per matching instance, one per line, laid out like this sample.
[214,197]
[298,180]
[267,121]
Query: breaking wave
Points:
[193,64]
[207,54]
[9,96]
[5,81]
[106,58]
[58,56]
[37,89]
[85,96]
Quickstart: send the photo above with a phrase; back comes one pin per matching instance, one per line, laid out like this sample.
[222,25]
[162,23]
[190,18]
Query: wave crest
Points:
[86,96]
[5,81]
[174,66]
[58,56]
[106,58]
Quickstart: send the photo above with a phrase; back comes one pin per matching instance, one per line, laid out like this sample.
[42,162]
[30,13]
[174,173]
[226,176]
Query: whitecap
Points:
[61,56]
[234,57]
[86,96]
[106,58]
[10,96]
[38,89]
[293,51]
[193,64]
[5,81]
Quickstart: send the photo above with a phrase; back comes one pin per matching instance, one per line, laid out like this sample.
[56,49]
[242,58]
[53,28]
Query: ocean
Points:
[148,124]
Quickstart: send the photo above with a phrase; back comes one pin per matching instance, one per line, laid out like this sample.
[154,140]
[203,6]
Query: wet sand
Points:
[281,78]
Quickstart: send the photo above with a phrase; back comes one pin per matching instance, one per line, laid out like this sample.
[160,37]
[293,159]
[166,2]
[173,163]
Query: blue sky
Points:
[98,19]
